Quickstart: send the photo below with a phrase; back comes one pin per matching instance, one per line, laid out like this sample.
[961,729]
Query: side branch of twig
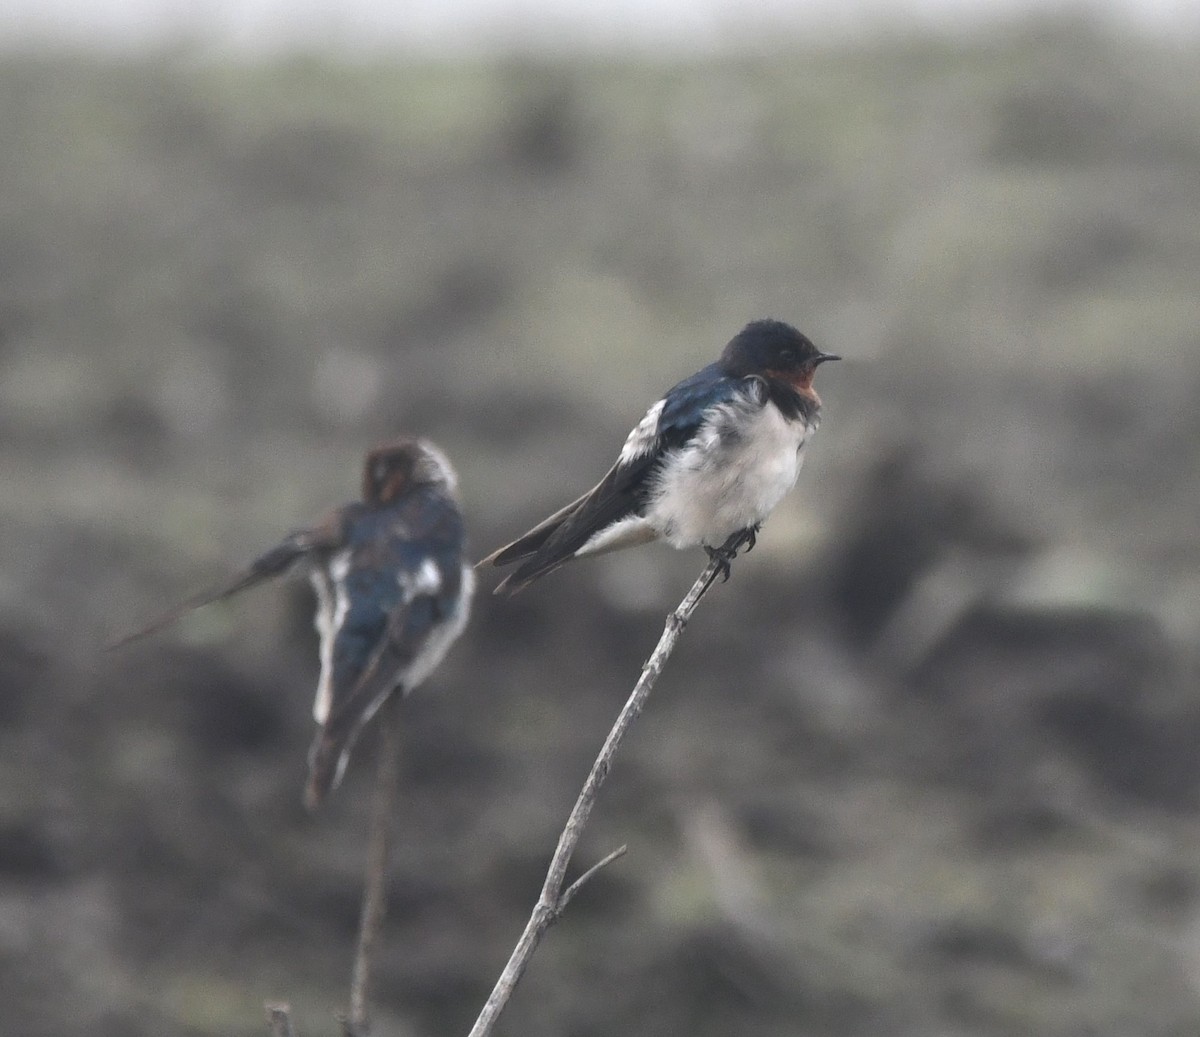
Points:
[579,883]
[553,900]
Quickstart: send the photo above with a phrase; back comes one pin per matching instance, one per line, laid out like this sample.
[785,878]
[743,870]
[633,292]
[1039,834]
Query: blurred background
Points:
[927,765]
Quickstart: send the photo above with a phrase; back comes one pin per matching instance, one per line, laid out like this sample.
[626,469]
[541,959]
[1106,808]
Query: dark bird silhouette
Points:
[703,468]
[393,593]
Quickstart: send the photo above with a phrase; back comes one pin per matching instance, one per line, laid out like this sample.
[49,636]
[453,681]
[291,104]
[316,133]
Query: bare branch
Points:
[579,883]
[374,905]
[553,900]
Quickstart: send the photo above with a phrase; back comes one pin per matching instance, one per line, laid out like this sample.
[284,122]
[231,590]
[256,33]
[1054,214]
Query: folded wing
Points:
[398,605]
[621,493]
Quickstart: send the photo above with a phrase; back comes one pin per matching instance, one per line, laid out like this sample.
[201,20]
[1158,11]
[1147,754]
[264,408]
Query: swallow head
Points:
[394,469]
[773,350]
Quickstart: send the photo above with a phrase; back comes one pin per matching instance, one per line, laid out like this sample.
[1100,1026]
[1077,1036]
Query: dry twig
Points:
[356,1022]
[553,899]
[374,904]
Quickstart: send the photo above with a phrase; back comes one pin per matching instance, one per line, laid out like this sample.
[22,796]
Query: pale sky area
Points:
[448,25]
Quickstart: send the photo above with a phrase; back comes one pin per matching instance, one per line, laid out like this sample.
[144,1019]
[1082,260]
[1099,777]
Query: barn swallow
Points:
[704,467]
[393,593]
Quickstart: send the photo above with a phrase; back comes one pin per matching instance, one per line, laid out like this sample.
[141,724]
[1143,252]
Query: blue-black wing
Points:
[397,585]
[667,426]
[278,560]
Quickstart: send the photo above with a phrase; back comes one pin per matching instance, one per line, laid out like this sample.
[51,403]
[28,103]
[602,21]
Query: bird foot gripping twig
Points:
[721,558]
[554,899]
[724,555]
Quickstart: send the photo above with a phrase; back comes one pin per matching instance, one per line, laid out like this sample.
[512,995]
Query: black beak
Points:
[822,357]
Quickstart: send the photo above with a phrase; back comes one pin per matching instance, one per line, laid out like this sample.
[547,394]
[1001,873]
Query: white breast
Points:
[442,636]
[729,478]
[332,605]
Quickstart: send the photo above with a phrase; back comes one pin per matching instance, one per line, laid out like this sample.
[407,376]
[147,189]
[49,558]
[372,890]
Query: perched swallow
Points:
[704,467]
[393,593]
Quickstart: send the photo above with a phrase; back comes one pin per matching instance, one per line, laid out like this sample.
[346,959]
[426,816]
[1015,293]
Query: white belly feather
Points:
[725,481]
[333,604]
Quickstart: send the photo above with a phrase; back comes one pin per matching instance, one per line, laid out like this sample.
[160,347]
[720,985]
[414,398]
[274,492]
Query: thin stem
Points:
[374,904]
[553,900]
[586,877]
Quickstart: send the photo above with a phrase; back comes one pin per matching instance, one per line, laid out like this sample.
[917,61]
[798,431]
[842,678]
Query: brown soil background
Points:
[927,765]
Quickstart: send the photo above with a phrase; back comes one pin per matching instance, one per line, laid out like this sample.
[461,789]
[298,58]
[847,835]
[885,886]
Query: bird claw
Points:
[728,551]
[722,556]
